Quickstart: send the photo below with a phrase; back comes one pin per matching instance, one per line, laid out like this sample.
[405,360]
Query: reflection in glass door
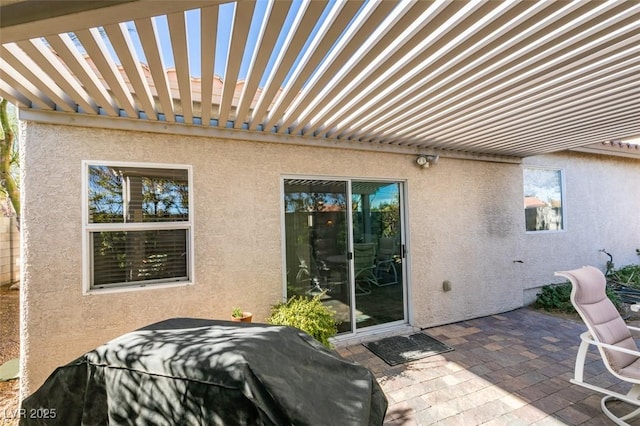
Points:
[316,243]
[378,249]
[343,240]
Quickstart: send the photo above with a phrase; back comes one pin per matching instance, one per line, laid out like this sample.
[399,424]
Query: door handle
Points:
[404,251]
[349,255]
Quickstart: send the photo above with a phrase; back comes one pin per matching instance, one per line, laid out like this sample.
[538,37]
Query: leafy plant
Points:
[237,313]
[9,180]
[557,298]
[308,315]
[627,275]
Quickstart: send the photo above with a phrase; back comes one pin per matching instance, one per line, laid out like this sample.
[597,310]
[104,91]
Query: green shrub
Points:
[557,298]
[627,275]
[307,314]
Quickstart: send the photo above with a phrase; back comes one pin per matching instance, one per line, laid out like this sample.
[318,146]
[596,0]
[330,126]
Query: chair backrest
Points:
[589,297]
[387,247]
[364,255]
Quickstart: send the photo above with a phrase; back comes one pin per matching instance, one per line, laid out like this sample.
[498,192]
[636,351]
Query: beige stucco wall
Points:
[602,201]
[464,222]
[466,225]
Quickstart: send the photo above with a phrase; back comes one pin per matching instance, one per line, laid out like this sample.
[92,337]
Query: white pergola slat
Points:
[560,114]
[307,16]
[594,134]
[20,62]
[549,83]
[67,50]
[561,96]
[528,102]
[503,78]
[337,60]
[272,23]
[548,137]
[52,67]
[366,79]
[475,86]
[425,86]
[356,53]
[333,26]
[180,49]
[436,44]
[18,82]
[497,86]
[208,37]
[122,44]
[94,45]
[151,46]
[243,14]
[14,96]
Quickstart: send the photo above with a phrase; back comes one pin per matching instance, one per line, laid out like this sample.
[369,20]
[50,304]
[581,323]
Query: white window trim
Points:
[87,228]
[562,196]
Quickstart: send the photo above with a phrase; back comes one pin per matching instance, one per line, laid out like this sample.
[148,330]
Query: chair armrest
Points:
[635,331]
[587,337]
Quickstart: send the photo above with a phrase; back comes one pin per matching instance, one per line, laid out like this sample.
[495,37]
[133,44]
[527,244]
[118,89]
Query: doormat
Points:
[400,349]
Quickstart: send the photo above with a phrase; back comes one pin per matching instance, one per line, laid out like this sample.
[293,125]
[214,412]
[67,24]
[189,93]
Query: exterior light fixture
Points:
[426,160]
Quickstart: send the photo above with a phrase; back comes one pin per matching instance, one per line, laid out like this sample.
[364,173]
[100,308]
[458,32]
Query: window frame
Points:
[90,228]
[563,216]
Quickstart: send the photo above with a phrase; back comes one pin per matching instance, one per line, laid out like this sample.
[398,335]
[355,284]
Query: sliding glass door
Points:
[344,241]
[378,253]
[316,224]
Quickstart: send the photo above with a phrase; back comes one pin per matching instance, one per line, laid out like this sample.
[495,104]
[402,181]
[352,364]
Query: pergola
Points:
[489,79]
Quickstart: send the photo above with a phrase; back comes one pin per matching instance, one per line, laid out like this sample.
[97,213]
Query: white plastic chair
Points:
[610,334]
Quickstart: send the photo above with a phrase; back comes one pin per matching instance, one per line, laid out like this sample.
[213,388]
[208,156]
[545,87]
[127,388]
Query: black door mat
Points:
[400,349]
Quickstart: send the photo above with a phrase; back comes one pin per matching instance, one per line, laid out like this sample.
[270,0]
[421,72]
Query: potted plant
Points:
[309,315]
[239,315]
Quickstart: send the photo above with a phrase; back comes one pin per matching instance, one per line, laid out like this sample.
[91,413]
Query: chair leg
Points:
[581,358]
[315,289]
[634,394]
[361,291]
[367,276]
[631,415]
[390,267]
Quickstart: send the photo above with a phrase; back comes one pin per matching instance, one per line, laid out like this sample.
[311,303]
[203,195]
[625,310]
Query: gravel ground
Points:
[9,349]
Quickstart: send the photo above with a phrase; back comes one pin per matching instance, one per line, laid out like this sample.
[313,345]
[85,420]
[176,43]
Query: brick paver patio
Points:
[508,369]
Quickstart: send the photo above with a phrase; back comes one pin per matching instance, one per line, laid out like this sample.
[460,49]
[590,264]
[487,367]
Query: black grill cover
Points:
[186,371]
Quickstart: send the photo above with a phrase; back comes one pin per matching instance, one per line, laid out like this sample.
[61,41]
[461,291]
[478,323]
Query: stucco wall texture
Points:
[602,201]
[465,225]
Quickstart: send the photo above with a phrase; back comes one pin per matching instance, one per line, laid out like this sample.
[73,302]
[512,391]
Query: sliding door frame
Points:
[404,236]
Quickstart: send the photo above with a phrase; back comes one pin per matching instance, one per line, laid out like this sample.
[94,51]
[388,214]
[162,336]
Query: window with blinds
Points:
[138,225]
